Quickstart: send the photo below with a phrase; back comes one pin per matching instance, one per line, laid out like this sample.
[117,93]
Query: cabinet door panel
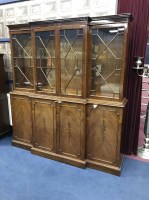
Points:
[71,130]
[44,125]
[22,120]
[104,127]
[107,61]
[45,60]
[22,60]
[71,61]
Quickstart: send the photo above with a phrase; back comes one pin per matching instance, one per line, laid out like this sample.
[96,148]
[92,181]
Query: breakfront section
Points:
[58,114]
[69,85]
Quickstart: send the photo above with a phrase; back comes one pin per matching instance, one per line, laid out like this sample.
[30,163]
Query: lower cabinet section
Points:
[73,133]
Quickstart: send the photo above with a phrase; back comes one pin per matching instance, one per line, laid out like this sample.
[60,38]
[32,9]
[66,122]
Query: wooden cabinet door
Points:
[103,133]
[44,125]
[71,130]
[22,118]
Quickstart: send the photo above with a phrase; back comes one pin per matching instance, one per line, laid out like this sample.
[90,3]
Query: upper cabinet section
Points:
[82,57]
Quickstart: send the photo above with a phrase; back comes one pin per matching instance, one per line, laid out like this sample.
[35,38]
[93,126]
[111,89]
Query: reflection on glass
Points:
[22,58]
[71,43]
[106,61]
[45,61]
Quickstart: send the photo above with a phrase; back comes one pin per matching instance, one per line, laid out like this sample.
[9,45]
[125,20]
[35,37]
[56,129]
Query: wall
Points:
[35,10]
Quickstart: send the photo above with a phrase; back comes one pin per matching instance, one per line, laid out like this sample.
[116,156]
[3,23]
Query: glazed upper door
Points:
[22,60]
[108,49]
[59,61]
[22,119]
[71,60]
[45,61]
[71,133]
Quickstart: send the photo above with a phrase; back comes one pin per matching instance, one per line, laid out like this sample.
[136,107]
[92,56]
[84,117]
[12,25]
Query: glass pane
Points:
[71,44]
[106,67]
[45,61]
[22,58]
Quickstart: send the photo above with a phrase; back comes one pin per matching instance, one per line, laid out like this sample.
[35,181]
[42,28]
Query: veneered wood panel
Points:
[22,119]
[104,129]
[71,130]
[44,125]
